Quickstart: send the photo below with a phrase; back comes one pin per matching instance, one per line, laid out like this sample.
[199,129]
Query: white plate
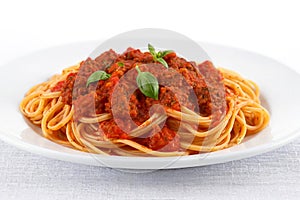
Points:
[279,87]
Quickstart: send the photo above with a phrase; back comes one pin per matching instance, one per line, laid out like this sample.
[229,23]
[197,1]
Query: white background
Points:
[267,27]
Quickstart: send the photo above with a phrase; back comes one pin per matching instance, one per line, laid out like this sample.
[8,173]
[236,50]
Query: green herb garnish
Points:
[120,64]
[97,76]
[147,83]
[158,56]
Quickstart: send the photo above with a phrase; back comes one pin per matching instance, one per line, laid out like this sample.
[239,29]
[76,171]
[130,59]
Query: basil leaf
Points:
[163,62]
[151,50]
[164,53]
[147,84]
[159,55]
[97,76]
[120,64]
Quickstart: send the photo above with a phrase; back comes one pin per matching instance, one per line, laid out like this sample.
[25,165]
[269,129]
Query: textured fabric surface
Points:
[273,175]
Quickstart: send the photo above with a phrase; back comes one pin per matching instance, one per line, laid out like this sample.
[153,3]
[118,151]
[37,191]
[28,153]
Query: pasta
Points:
[76,110]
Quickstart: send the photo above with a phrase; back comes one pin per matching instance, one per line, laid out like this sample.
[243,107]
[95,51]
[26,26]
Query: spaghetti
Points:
[100,118]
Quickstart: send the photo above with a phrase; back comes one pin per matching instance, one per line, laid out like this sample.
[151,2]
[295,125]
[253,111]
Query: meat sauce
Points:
[177,85]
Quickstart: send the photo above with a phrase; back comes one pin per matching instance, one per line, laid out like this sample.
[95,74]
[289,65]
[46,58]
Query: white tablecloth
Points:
[273,175]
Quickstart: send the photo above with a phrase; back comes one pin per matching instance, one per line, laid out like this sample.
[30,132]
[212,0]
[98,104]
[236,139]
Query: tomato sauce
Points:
[186,79]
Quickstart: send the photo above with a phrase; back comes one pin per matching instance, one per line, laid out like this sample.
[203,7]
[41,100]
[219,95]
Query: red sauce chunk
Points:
[198,87]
